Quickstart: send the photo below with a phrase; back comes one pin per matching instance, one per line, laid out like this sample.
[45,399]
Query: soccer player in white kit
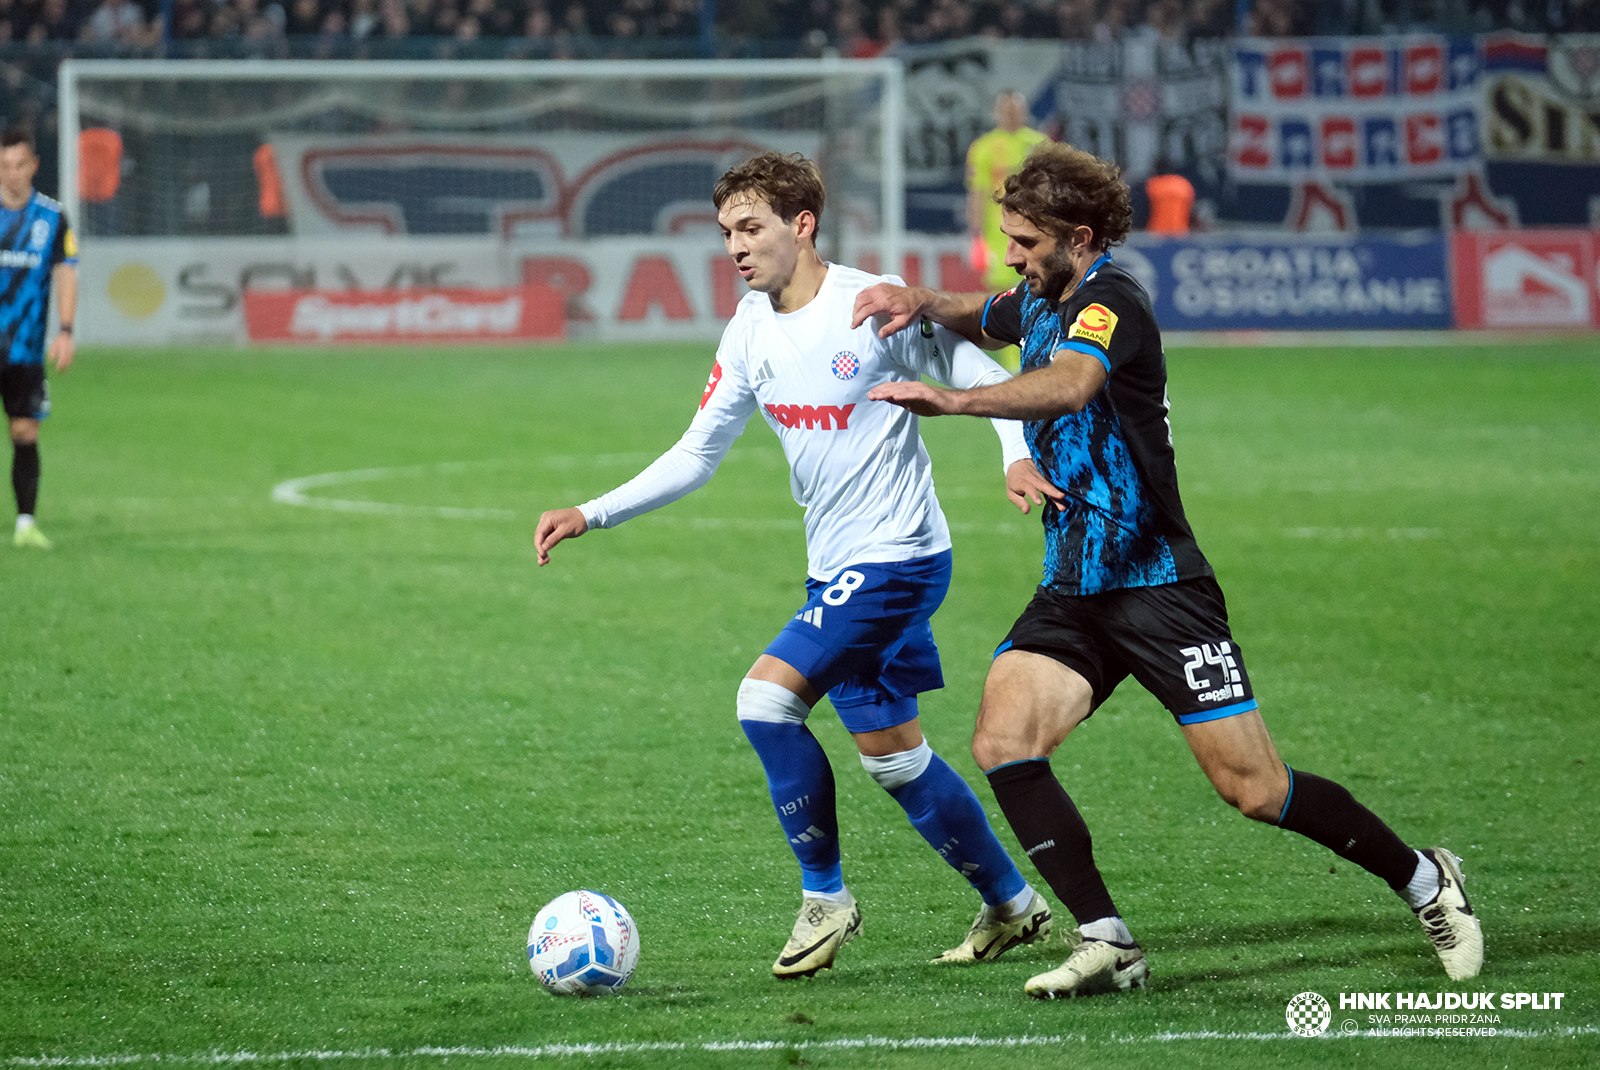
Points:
[878,554]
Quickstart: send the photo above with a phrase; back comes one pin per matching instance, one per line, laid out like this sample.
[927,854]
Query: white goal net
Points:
[194,184]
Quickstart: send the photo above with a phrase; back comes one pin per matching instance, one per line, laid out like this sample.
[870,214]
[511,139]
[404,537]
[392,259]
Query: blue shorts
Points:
[864,639]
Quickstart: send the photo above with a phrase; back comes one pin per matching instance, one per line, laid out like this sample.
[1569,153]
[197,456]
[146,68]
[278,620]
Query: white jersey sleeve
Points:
[944,356]
[725,407]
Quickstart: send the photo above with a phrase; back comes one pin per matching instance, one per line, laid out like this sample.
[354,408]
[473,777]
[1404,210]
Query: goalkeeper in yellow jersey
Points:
[990,159]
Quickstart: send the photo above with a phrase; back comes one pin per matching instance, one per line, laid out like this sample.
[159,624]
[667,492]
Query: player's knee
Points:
[893,771]
[770,703]
[992,746]
[1257,798]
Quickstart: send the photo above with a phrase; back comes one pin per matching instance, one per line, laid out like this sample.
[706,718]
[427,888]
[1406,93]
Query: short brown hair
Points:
[18,135]
[1060,188]
[788,182]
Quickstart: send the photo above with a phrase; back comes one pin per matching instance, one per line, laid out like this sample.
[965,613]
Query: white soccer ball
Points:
[583,944]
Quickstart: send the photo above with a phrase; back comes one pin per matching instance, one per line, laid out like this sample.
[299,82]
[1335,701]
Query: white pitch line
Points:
[293,492]
[543,1051]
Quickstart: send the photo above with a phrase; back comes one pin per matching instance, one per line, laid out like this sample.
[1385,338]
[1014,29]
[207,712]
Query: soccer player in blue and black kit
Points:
[37,253]
[1126,590]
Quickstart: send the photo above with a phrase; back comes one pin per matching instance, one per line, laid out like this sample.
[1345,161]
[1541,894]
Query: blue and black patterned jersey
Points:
[1124,524]
[33,240]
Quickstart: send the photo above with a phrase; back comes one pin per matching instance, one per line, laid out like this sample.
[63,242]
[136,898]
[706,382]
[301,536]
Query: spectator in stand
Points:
[1113,21]
[396,19]
[304,18]
[1075,20]
[118,22]
[538,26]
[55,22]
[191,19]
[1171,202]
[364,20]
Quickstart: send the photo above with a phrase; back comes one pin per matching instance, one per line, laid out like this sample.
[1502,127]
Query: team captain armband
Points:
[1094,324]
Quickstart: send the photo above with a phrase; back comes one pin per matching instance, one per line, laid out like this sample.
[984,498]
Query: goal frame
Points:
[891,71]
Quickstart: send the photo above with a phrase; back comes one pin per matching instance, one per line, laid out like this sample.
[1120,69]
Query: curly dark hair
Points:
[1060,188]
[788,182]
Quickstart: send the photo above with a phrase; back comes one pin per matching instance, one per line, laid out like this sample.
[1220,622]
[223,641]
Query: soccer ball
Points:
[583,944]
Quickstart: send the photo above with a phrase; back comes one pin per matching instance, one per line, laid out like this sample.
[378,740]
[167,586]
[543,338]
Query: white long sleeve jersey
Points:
[858,467]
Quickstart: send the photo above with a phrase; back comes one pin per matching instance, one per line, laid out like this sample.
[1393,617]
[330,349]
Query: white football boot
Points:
[821,930]
[1449,921]
[1096,966]
[992,936]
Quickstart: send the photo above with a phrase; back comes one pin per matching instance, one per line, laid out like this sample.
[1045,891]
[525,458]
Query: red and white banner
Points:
[1525,278]
[511,314]
[1354,109]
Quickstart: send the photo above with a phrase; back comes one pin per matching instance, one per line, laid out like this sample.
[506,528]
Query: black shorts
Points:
[25,391]
[1173,639]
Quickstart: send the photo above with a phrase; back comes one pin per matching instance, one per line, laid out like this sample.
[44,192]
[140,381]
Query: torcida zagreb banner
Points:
[1360,109]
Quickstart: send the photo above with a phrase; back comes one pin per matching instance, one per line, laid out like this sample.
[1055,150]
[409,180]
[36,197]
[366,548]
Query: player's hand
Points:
[554,526]
[1024,482]
[920,398]
[899,306]
[61,352]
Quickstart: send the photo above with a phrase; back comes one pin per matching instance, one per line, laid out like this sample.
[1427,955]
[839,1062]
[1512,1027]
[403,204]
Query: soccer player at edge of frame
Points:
[878,551]
[37,253]
[1126,590]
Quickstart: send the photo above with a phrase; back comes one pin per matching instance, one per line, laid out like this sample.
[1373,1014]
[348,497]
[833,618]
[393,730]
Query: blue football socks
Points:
[801,782]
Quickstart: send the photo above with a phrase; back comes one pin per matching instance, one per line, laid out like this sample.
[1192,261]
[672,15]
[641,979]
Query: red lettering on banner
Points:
[1251,141]
[1369,72]
[1424,69]
[568,277]
[910,267]
[956,275]
[1289,73]
[1338,141]
[725,289]
[1424,139]
[813,416]
[654,282]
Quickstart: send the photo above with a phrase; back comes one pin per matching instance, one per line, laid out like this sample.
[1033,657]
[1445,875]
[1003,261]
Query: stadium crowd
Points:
[852,27]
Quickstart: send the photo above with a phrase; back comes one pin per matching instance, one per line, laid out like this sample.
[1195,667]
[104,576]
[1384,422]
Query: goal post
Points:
[193,183]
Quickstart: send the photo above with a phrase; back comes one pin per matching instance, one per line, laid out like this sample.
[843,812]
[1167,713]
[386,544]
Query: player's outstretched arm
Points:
[555,525]
[900,307]
[1064,386]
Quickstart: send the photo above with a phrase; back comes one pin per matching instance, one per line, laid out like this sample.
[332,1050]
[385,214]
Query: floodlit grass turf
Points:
[279,779]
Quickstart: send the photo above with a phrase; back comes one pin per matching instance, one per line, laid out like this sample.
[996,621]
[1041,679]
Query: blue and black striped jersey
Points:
[33,240]
[1124,524]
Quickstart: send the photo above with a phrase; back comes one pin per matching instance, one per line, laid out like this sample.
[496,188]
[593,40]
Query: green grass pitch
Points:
[284,785]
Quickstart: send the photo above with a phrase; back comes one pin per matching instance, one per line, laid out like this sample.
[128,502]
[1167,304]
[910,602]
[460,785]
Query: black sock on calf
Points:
[1323,811]
[1053,835]
[25,475]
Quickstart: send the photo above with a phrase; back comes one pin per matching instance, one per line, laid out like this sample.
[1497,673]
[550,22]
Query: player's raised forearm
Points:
[901,306]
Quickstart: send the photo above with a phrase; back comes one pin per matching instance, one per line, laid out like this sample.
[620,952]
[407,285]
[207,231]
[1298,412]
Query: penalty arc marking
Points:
[296,492]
